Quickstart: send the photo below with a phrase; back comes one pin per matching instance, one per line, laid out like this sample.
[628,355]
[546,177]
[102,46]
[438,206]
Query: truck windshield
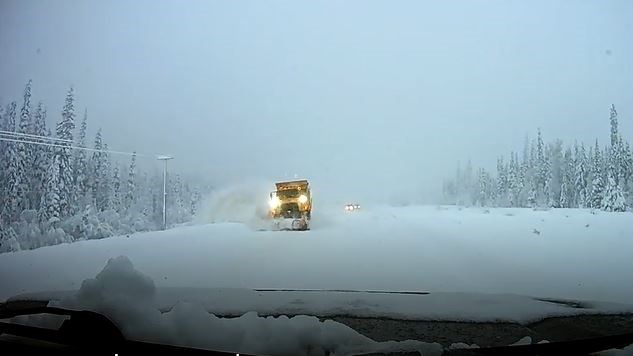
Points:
[288,193]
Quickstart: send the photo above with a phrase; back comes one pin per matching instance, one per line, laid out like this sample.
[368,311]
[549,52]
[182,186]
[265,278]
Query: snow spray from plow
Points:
[240,203]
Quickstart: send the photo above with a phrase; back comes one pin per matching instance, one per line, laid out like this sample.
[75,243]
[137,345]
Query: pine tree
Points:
[130,195]
[617,164]
[41,158]
[11,169]
[502,183]
[147,189]
[613,118]
[555,153]
[104,188]
[627,163]
[613,199]
[3,159]
[567,199]
[97,181]
[628,171]
[543,173]
[195,197]
[531,177]
[177,202]
[514,181]
[20,187]
[481,198]
[64,131]
[8,239]
[597,183]
[564,200]
[50,207]
[116,190]
[581,178]
[80,164]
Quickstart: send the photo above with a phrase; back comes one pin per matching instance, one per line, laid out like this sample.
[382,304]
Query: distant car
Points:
[352,207]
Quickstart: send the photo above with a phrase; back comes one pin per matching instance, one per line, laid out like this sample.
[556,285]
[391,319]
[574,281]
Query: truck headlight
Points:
[274,202]
[303,199]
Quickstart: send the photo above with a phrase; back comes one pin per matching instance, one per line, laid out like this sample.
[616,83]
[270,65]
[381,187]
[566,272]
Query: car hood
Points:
[399,305]
[485,320]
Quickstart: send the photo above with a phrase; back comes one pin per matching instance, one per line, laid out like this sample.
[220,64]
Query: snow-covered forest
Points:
[52,193]
[552,175]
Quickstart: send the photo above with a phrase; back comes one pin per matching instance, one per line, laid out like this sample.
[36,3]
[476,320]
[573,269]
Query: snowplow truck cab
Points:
[292,200]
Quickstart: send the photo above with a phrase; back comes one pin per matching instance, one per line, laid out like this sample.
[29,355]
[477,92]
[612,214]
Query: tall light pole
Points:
[164,159]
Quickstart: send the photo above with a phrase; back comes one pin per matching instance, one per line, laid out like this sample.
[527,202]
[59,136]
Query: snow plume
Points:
[245,202]
[127,297]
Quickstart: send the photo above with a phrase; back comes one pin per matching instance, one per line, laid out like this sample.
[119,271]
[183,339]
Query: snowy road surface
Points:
[552,254]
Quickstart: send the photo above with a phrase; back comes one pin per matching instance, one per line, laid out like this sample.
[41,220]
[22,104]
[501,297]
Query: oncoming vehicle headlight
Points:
[274,202]
[303,199]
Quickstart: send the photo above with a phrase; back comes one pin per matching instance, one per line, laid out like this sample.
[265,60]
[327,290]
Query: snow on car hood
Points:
[286,322]
[130,299]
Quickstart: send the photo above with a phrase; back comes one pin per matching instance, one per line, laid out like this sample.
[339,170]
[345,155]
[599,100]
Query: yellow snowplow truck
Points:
[291,205]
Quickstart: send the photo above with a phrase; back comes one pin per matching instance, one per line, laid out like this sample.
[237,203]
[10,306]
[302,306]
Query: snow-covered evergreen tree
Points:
[627,164]
[567,196]
[98,175]
[543,173]
[628,174]
[103,173]
[3,159]
[581,179]
[613,119]
[80,165]
[515,184]
[613,198]
[50,207]
[555,153]
[597,182]
[11,170]
[130,194]
[176,206]
[20,188]
[616,152]
[64,131]
[484,191]
[41,158]
[116,190]
[8,239]
[564,198]
[502,183]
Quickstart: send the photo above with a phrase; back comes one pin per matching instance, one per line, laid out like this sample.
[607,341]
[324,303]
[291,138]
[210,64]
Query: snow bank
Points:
[127,297]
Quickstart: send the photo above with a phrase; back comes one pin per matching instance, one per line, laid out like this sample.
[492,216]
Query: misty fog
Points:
[369,100]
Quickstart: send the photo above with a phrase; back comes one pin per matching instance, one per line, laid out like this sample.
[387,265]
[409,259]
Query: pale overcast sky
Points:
[377,99]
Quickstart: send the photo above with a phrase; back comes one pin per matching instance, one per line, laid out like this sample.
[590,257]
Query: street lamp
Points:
[164,159]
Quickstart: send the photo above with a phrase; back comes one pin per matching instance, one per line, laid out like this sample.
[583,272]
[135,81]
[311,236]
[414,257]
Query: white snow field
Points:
[478,264]
[553,254]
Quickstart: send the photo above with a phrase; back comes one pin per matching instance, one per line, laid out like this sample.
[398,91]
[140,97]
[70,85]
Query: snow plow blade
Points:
[289,225]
